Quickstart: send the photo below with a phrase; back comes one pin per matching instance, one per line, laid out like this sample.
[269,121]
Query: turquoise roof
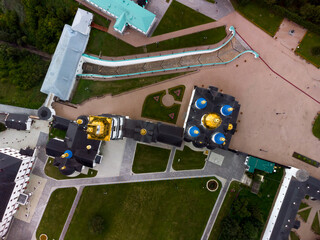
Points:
[127,12]
[257,163]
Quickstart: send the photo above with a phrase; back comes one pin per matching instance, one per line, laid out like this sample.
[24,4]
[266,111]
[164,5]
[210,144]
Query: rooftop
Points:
[127,13]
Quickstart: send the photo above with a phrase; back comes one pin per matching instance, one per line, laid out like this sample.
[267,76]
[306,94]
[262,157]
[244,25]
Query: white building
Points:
[14,175]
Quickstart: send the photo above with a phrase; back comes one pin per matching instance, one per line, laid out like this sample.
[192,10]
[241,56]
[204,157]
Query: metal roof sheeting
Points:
[126,12]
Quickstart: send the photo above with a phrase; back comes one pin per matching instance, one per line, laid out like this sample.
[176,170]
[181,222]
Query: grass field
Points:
[54,172]
[57,133]
[309,41]
[263,201]
[294,236]
[111,46]
[161,210]
[12,95]
[305,214]
[188,159]
[150,159]
[175,90]
[179,16]
[303,205]
[56,213]
[316,127]
[154,109]
[315,224]
[260,16]
[88,88]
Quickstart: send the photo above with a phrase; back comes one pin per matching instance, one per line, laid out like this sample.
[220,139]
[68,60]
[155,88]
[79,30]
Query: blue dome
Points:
[201,103]
[219,138]
[194,131]
[226,110]
[69,154]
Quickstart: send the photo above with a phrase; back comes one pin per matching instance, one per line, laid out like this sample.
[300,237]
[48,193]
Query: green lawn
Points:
[154,109]
[294,236]
[54,172]
[305,214]
[161,210]
[262,202]
[56,213]
[88,88]
[177,92]
[303,205]
[179,16]
[309,41]
[57,133]
[188,159]
[150,159]
[315,224]
[212,1]
[111,46]
[316,127]
[259,15]
[12,95]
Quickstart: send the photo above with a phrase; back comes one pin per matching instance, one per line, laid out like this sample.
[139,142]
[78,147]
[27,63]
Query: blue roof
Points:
[218,138]
[61,74]
[201,103]
[126,12]
[194,131]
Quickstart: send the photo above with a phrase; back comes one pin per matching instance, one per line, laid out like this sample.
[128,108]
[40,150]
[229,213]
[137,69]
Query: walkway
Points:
[217,10]
[12,109]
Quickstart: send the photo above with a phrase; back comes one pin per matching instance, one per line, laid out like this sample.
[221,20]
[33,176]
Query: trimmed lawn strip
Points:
[87,89]
[150,159]
[316,225]
[260,15]
[303,205]
[179,16]
[57,133]
[188,159]
[316,127]
[305,214]
[179,98]
[162,210]
[309,41]
[54,172]
[294,236]
[111,46]
[156,110]
[263,201]
[56,213]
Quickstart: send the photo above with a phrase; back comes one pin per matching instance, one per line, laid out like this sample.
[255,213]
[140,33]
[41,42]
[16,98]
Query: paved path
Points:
[128,157]
[12,109]
[73,208]
[217,10]
[171,158]
[215,211]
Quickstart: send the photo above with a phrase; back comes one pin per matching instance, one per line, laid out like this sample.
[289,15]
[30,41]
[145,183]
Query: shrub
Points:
[97,225]
[315,51]
[2,127]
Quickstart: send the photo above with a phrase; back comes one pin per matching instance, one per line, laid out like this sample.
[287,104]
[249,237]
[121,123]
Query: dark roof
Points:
[44,113]
[76,140]
[170,134]
[55,148]
[156,132]
[60,123]
[27,152]
[295,193]
[17,121]
[9,167]
[215,100]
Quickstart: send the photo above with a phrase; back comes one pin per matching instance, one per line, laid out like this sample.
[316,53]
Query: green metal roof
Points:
[126,12]
[257,163]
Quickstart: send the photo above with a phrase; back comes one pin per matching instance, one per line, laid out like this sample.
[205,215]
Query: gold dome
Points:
[211,120]
[230,126]
[143,131]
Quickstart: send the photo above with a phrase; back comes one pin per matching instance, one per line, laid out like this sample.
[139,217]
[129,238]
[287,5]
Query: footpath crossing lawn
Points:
[56,213]
[161,210]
